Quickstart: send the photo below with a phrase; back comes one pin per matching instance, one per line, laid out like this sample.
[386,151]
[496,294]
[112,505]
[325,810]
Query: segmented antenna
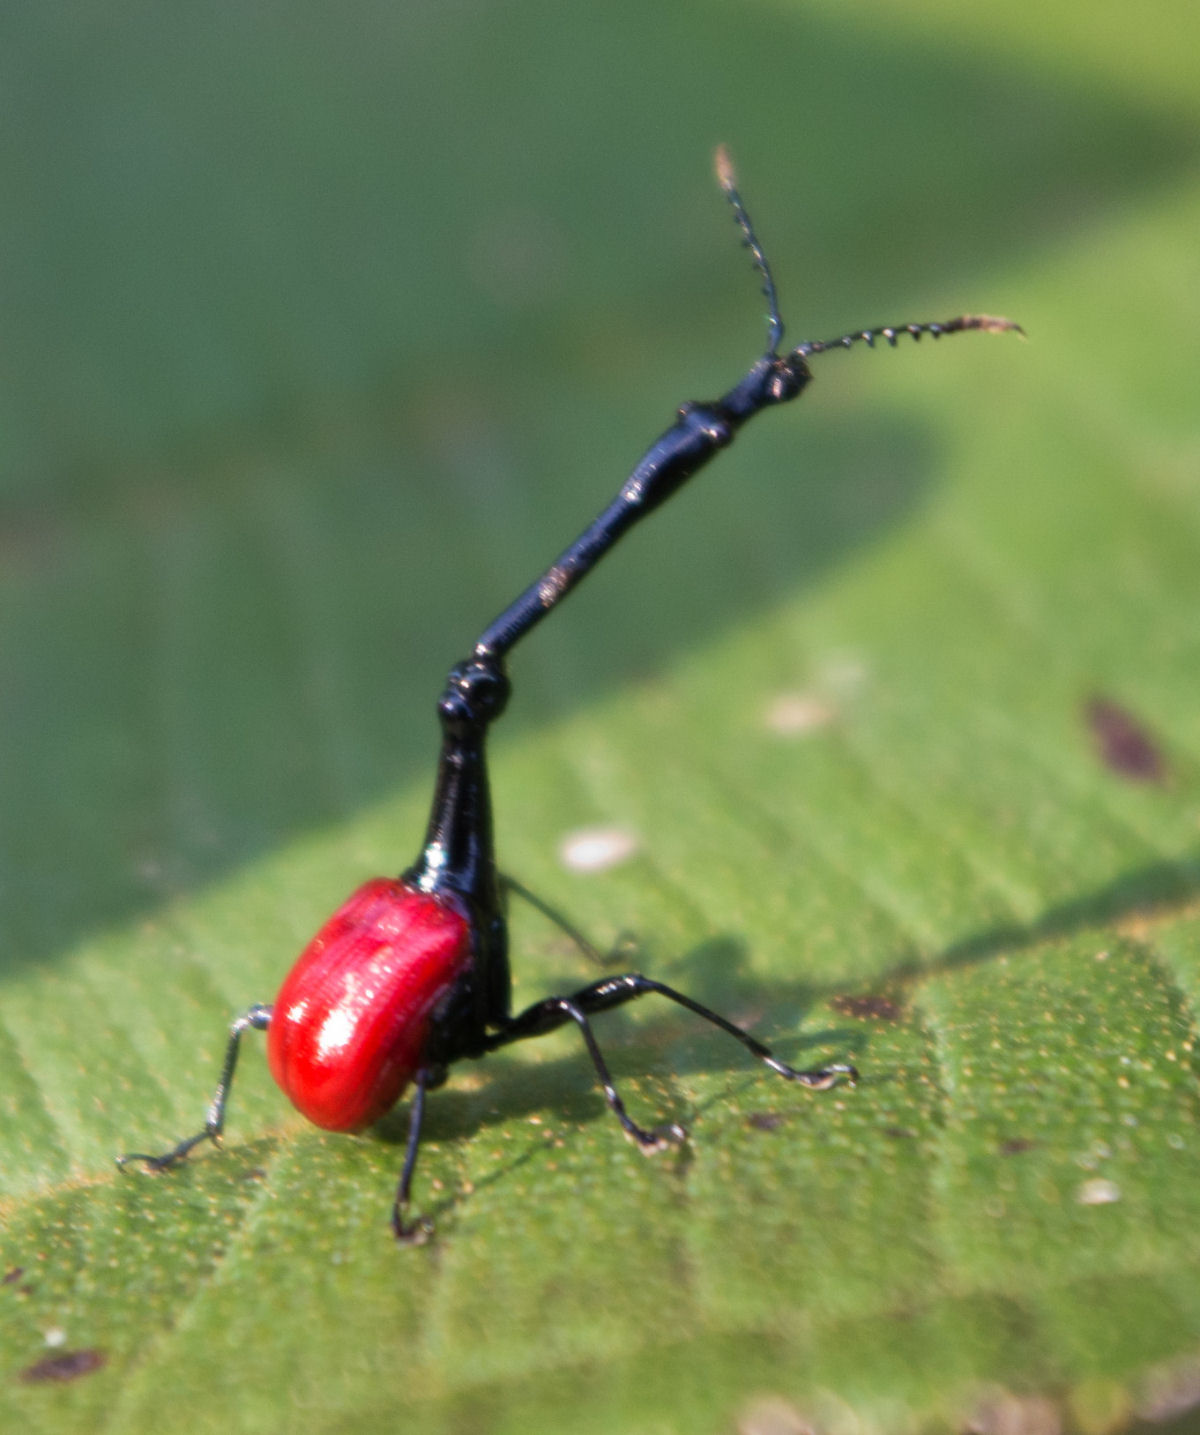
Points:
[727,179]
[989,323]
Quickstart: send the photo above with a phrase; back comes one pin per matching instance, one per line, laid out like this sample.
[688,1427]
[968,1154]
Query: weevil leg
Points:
[553,1012]
[258,1018]
[611,992]
[416,1232]
[622,949]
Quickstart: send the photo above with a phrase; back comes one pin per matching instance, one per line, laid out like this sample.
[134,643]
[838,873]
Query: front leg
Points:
[414,1233]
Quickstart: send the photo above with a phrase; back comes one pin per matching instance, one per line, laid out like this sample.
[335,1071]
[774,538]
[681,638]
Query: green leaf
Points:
[325,331]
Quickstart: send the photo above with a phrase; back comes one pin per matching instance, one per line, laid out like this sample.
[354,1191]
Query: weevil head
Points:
[475,695]
[773,379]
[787,376]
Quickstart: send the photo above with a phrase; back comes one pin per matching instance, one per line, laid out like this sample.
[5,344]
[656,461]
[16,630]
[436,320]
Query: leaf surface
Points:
[323,335]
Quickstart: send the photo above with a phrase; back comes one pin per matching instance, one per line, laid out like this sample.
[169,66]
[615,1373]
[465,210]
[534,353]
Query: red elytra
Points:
[351,1021]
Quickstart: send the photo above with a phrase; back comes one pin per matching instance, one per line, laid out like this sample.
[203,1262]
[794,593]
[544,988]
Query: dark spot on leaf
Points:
[1122,743]
[255,1173]
[899,1133]
[867,1008]
[13,1275]
[764,1121]
[1017,1146]
[66,1365]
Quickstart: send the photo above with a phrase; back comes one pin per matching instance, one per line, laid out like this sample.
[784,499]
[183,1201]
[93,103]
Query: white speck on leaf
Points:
[797,714]
[596,849]
[1098,1192]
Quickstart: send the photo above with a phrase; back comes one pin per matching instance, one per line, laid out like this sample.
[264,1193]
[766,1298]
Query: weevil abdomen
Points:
[351,1024]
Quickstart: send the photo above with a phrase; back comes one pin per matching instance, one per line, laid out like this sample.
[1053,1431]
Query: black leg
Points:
[616,991]
[622,948]
[257,1018]
[553,1012]
[418,1231]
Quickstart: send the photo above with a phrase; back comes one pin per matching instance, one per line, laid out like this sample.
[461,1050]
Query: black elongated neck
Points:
[459,851]
[699,433]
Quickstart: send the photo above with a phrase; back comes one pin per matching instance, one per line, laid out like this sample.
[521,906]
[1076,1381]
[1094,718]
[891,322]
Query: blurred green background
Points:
[322,329]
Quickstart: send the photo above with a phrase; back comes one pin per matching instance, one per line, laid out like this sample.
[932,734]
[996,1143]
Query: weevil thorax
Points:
[351,1024]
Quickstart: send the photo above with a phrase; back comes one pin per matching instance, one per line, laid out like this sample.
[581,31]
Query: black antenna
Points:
[987,323]
[727,179]
[699,433]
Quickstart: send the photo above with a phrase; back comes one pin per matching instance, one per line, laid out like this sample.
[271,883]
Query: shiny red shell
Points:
[350,1025]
